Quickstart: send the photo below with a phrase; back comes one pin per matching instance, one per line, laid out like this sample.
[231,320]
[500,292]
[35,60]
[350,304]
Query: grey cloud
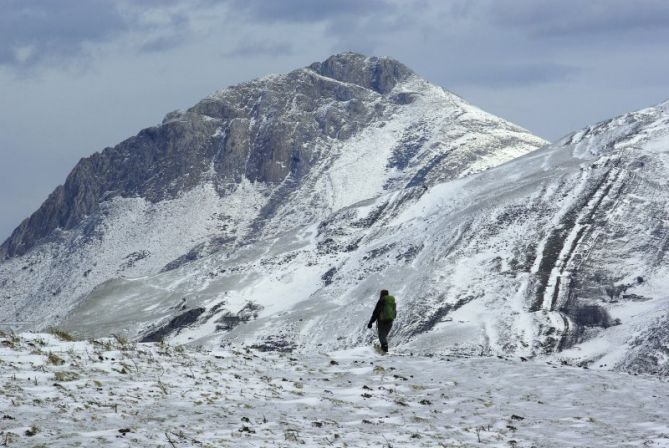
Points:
[350,25]
[34,30]
[516,75]
[308,10]
[577,18]
[260,48]
[163,38]
[160,43]
[177,28]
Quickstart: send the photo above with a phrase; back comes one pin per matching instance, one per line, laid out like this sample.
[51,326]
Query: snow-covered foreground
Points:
[107,393]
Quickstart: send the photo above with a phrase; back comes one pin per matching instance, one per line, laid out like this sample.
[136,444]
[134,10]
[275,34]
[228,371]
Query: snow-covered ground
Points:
[109,393]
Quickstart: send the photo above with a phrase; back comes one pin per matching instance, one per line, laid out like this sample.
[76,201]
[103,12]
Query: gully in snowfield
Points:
[384,313]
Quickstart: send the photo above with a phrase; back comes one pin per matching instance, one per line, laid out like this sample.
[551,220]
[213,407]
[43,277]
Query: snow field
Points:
[111,393]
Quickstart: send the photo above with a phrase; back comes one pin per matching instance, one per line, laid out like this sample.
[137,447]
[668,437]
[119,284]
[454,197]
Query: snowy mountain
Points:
[249,163]
[271,213]
[559,253]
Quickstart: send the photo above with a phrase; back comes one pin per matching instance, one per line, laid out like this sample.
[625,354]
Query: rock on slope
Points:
[249,163]
[559,253]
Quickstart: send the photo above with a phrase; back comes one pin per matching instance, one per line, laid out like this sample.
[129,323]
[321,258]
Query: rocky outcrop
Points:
[378,74]
[156,164]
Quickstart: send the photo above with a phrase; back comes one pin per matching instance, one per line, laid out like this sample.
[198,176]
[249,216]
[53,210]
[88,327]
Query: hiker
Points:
[384,313]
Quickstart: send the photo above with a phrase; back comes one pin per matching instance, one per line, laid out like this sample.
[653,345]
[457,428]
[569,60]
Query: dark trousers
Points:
[384,326]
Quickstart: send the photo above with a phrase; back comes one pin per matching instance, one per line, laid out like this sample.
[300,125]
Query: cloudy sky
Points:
[79,75]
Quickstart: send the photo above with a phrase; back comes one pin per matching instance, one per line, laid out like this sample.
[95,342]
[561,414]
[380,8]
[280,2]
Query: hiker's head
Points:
[384,292]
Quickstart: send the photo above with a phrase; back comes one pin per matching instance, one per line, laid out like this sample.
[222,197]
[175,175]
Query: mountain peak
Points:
[380,74]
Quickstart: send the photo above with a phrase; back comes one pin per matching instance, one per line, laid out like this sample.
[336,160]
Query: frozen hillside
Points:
[111,393]
[250,163]
[560,254]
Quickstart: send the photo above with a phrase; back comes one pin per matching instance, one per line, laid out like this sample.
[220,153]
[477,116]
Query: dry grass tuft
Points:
[61,334]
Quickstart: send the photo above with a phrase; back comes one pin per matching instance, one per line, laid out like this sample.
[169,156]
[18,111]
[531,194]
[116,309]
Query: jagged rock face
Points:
[380,75]
[156,164]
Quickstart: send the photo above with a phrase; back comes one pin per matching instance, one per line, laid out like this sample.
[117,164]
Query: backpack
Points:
[388,311]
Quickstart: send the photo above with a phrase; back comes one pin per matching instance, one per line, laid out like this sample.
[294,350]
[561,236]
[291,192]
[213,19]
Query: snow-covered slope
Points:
[271,214]
[105,393]
[558,253]
[250,163]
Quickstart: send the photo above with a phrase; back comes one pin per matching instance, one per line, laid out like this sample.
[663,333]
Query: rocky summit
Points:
[272,212]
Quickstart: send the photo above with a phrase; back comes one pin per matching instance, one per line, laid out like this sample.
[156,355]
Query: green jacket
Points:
[385,309]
